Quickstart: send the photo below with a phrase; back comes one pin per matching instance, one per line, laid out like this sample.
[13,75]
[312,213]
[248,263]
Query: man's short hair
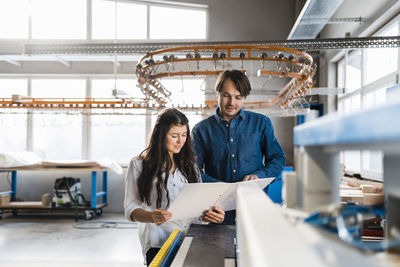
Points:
[238,78]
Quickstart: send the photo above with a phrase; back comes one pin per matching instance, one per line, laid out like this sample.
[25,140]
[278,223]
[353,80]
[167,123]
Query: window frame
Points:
[86,118]
[178,7]
[366,88]
[148,4]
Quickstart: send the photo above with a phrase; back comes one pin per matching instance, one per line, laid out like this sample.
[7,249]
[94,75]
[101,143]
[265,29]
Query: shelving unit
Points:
[95,208]
[268,234]
[317,161]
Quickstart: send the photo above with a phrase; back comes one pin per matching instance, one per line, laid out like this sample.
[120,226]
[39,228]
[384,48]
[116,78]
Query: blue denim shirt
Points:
[226,152]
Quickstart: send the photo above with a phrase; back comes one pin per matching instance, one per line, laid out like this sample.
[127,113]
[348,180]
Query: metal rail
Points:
[141,48]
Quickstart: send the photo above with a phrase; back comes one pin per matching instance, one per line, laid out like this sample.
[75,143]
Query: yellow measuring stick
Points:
[164,249]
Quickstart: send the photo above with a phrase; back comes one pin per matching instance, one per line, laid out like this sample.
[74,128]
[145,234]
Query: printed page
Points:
[228,200]
[196,198]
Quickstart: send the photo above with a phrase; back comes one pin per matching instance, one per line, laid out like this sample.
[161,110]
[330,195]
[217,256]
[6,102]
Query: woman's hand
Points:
[215,215]
[161,216]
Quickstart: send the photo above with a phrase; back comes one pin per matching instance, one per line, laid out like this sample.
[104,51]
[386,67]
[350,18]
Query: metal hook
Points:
[166,59]
[189,57]
[266,81]
[171,59]
[215,57]
[182,86]
[204,81]
[263,56]
[242,56]
[222,56]
[197,56]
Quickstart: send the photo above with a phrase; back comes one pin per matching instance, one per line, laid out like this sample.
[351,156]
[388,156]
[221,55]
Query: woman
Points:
[155,178]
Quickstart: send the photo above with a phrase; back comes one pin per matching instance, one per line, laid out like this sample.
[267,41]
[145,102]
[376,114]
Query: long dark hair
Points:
[157,161]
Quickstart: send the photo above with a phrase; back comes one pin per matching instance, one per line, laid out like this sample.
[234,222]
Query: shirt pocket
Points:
[249,145]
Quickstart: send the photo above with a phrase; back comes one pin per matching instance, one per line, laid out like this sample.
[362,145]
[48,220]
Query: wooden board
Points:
[5,202]
[362,198]
[24,204]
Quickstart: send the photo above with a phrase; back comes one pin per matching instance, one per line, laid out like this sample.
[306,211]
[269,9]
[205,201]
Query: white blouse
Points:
[151,234]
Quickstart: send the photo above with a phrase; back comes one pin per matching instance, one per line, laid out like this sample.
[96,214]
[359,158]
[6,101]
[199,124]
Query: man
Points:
[236,145]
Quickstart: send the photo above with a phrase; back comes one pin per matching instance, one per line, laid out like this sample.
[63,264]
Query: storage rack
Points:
[95,208]
[320,141]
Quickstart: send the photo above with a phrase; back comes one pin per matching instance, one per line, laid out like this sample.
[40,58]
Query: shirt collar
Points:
[241,114]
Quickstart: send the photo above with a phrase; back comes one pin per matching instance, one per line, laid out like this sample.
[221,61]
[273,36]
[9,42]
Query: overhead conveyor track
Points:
[284,60]
[141,48]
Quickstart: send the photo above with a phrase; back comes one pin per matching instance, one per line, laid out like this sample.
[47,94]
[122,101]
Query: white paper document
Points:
[195,198]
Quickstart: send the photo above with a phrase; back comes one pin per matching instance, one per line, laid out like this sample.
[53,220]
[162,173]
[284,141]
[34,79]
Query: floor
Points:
[106,240]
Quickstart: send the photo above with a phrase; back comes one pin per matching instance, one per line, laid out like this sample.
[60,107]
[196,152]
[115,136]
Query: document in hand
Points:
[198,197]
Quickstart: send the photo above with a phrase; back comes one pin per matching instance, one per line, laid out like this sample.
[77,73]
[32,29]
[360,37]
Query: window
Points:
[375,97]
[13,126]
[366,82]
[58,19]
[372,161]
[131,22]
[9,87]
[67,19]
[192,117]
[57,136]
[63,136]
[177,23]
[382,61]
[185,91]
[14,18]
[341,74]
[117,137]
[352,159]
[103,88]
[353,71]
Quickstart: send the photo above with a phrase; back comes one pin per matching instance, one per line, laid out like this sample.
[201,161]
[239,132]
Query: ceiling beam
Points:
[115,61]
[63,61]
[319,10]
[143,48]
[10,61]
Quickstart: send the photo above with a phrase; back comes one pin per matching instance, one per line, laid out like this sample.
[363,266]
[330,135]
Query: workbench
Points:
[95,208]
[207,245]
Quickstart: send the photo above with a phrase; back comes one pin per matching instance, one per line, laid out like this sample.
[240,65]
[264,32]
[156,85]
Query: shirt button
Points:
[234,170]
[231,139]
[227,125]
[174,184]
[233,155]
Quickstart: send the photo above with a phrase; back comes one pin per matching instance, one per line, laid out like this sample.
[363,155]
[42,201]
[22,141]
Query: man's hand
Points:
[250,177]
[161,216]
[215,215]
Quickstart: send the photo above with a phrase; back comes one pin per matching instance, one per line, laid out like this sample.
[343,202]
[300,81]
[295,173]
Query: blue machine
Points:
[274,189]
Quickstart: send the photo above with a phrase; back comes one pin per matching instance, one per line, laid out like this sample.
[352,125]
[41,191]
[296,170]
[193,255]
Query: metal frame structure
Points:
[83,105]
[141,48]
[294,64]
[290,63]
[95,206]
